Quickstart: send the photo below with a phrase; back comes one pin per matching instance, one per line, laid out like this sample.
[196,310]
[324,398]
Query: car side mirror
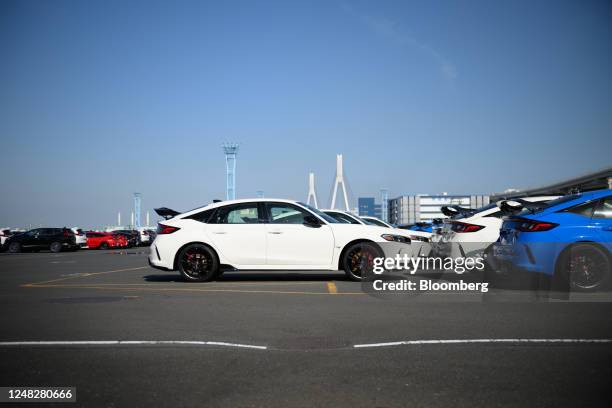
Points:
[312,221]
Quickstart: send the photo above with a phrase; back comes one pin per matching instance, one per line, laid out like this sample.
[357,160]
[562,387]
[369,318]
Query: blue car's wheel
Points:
[586,267]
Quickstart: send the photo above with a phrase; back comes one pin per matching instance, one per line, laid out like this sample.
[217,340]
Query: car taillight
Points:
[462,227]
[68,233]
[535,226]
[166,229]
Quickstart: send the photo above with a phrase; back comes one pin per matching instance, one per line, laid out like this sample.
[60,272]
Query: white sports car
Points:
[472,232]
[267,234]
[344,216]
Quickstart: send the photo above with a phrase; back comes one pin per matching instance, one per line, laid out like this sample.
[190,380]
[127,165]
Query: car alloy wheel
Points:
[14,247]
[56,247]
[198,263]
[589,267]
[359,260]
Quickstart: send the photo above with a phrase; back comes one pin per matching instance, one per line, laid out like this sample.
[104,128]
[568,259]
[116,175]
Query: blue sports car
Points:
[568,239]
[418,226]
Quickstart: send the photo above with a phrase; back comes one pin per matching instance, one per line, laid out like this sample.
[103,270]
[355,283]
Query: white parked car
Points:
[4,234]
[344,216]
[79,235]
[470,233]
[145,238]
[267,234]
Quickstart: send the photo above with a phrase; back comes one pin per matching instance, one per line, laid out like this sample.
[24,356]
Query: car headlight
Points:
[419,238]
[395,238]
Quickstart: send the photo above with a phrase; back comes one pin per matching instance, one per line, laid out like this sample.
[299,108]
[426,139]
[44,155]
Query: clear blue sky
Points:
[101,99]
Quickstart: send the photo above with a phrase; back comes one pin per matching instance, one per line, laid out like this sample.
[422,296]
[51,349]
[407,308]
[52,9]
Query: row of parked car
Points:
[72,239]
[565,238]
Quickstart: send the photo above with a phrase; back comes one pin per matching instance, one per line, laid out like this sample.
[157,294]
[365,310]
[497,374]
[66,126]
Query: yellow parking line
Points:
[331,288]
[208,284]
[192,290]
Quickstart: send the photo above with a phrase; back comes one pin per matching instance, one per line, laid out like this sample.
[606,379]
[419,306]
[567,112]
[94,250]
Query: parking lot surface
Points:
[124,334]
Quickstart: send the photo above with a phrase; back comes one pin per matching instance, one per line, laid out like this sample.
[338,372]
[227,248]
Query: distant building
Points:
[367,206]
[424,208]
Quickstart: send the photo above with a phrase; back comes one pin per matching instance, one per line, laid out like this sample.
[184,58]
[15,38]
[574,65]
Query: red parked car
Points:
[105,240]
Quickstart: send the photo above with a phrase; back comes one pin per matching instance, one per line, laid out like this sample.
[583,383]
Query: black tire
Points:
[358,260]
[55,247]
[583,267]
[103,245]
[198,263]
[14,247]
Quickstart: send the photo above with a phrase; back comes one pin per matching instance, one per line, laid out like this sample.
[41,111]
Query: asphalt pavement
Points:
[124,334]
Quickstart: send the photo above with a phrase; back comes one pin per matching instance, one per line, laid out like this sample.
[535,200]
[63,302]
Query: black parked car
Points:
[54,239]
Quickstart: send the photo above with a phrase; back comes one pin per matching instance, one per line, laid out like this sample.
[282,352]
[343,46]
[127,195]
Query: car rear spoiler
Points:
[166,213]
[516,205]
[452,210]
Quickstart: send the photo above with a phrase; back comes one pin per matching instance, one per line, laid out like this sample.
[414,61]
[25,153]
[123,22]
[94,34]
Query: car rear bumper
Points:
[519,257]
[156,266]
[461,249]
[156,261]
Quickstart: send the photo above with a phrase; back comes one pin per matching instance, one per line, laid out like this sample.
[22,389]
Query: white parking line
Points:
[464,341]
[127,343]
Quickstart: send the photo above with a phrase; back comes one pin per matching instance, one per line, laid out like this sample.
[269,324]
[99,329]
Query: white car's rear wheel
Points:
[198,263]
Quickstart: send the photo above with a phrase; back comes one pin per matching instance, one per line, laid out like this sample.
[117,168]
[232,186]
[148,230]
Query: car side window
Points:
[286,214]
[237,214]
[604,209]
[584,209]
[202,216]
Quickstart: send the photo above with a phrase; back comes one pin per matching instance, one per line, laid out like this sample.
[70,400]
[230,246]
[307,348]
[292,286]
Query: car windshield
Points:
[321,214]
[372,221]
[362,220]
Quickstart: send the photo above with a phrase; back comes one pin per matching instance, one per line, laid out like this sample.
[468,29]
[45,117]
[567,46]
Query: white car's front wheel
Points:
[358,260]
[198,263]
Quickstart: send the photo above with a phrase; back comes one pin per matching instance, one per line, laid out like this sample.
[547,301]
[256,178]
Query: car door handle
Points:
[275,232]
[219,232]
